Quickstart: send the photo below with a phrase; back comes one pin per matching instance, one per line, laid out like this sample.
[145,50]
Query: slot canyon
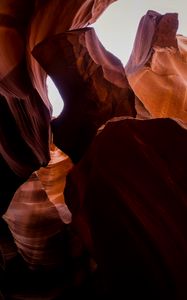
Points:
[93,201]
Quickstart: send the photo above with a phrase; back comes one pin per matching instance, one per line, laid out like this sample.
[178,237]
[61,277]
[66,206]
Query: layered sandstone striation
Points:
[119,152]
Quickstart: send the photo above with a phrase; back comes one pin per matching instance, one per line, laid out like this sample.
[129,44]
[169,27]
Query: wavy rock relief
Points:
[125,131]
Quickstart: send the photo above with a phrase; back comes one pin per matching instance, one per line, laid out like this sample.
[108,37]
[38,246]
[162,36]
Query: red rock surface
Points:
[156,70]
[24,103]
[25,112]
[92,83]
[36,225]
[130,191]
[127,190]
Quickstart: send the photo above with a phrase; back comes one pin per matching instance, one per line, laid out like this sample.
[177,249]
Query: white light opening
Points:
[117,26]
[116,29]
[54,98]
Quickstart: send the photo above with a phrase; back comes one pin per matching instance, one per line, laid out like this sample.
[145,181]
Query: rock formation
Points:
[24,102]
[92,83]
[37,214]
[156,69]
[130,191]
[120,227]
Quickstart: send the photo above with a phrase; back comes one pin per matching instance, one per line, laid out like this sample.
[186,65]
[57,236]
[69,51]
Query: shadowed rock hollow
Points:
[94,201]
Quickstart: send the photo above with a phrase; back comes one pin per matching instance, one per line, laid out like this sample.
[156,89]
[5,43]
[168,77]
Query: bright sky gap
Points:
[116,28]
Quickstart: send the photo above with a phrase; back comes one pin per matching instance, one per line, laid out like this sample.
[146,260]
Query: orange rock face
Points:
[35,225]
[25,112]
[121,139]
[92,83]
[158,74]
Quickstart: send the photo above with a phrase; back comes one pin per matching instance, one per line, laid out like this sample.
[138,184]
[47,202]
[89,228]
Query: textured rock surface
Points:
[54,17]
[92,83]
[127,192]
[36,225]
[23,93]
[130,189]
[21,106]
[53,179]
[157,69]
[37,214]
